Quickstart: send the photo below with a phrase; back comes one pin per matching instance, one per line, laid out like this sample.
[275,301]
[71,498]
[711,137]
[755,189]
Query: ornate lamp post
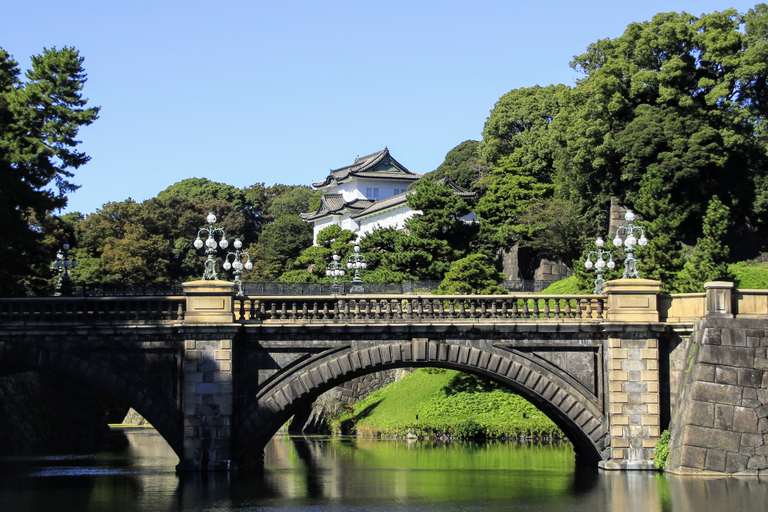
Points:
[599,264]
[630,232]
[356,261]
[211,245]
[335,269]
[63,265]
[237,264]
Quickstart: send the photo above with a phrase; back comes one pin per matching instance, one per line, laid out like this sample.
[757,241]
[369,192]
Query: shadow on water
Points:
[351,474]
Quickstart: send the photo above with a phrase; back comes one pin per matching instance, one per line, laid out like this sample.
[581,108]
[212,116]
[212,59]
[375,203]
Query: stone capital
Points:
[719,298]
[209,302]
[632,300]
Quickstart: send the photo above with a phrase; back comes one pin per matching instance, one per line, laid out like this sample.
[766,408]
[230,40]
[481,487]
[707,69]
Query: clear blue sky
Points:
[281,91]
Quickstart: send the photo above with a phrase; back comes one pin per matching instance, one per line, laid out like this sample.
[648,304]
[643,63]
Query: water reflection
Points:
[317,474]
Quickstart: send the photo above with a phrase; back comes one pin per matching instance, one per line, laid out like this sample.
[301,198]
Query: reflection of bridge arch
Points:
[573,410]
[113,377]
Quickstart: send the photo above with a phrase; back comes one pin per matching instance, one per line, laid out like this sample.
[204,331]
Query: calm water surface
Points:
[318,474]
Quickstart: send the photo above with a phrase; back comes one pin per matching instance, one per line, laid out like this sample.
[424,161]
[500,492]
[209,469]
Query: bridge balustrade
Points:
[451,308]
[92,309]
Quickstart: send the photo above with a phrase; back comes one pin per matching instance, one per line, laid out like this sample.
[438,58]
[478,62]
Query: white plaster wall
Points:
[386,219]
[321,225]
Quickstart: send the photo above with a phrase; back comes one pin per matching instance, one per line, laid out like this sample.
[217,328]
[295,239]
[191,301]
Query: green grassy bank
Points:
[437,403]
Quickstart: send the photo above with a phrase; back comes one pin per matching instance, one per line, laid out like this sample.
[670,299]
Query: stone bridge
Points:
[218,375]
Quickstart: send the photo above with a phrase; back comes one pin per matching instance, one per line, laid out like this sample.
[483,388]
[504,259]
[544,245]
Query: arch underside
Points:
[569,404]
[112,376]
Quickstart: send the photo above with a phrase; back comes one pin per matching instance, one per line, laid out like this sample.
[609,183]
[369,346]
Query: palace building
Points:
[368,194]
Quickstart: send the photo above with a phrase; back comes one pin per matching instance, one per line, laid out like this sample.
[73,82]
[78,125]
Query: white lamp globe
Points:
[588,264]
[211,218]
[629,216]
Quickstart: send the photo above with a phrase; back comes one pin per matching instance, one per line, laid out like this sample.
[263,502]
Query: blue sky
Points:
[280,92]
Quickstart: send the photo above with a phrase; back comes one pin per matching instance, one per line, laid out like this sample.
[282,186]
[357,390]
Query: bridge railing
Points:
[91,309]
[416,308]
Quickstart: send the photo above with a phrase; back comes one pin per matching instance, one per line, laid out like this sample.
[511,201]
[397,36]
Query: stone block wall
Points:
[634,410]
[311,420]
[359,388]
[721,422]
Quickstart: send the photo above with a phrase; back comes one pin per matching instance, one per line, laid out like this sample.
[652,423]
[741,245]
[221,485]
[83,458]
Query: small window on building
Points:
[376,193]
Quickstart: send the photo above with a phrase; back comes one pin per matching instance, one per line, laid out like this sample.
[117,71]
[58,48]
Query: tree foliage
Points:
[462,165]
[708,261]
[681,98]
[473,274]
[39,122]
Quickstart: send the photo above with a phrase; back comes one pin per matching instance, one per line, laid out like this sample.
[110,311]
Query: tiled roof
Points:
[334,203]
[456,190]
[383,204]
[365,167]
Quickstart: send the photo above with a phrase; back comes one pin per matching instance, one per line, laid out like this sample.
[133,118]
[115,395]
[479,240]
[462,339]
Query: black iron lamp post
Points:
[237,265]
[630,232]
[356,261]
[211,245]
[335,269]
[63,265]
[600,264]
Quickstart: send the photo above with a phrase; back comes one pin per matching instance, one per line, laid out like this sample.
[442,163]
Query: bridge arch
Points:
[573,410]
[111,376]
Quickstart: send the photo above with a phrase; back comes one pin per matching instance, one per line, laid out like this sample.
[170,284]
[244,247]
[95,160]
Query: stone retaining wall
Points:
[721,422]
[312,420]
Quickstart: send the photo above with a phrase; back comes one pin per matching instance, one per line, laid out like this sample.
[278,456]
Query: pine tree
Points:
[39,122]
[708,262]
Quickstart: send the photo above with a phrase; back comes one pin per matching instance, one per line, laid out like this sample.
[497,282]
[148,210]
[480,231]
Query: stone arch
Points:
[112,377]
[573,410]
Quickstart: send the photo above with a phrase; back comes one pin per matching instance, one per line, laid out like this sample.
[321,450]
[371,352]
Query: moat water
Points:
[313,474]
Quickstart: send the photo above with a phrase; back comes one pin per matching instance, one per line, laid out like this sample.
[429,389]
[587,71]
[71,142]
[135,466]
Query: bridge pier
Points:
[208,403]
[633,367]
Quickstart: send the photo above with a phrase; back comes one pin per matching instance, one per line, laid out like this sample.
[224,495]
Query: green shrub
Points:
[567,286]
[750,276]
[662,451]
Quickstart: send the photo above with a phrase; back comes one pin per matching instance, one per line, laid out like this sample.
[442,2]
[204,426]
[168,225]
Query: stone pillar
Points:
[719,298]
[208,392]
[632,357]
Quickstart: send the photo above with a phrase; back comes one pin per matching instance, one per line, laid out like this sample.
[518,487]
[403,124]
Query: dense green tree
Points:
[39,122]
[437,235]
[462,166]
[133,242]
[680,97]
[519,129]
[708,261]
[281,243]
[511,194]
[556,227]
[384,253]
[473,274]
[310,265]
